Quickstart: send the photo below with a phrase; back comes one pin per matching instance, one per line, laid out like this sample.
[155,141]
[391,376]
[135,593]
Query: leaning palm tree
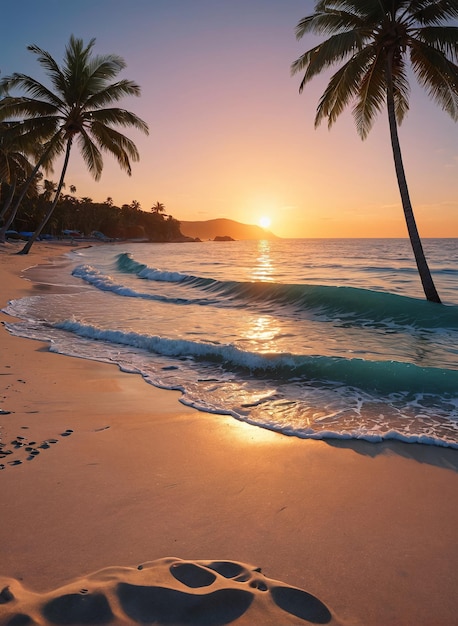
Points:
[16,152]
[374,39]
[75,106]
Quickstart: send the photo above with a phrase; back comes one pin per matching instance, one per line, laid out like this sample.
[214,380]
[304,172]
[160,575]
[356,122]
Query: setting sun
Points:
[265,221]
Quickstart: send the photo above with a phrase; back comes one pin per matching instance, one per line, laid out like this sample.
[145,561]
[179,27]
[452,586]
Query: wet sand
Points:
[119,505]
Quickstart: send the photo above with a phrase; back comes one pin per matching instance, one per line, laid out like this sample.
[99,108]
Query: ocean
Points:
[313,338]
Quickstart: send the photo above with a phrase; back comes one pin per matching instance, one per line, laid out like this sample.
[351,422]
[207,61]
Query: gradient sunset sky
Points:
[230,136]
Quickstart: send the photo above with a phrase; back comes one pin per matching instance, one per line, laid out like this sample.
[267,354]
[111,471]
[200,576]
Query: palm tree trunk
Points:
[36,234]
[422,265]
[4,211]
[9,198]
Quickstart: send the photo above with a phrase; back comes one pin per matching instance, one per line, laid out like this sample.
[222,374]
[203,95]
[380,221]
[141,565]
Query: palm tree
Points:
[372,39]
[158,208]
[15,151]
[49,189]
[76,107]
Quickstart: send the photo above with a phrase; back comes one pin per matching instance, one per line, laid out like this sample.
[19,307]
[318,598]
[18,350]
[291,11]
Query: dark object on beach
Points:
[12,234]
[6,595]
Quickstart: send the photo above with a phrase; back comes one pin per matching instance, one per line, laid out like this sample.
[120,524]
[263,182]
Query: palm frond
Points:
[335,49]
[365,9]
[437,75]
[111,93]
[44,59]
[342,88]
[31,87]
[429,12]
[76,58]
[14,167]
[105,68]
[401,91]
[39,127]
[10,134]
[51,67]
[25,107]
[119,117]
[327,23]
[75,70]
[443,38]
[371,96]
[16,141]
[96,78]
[52,149]
[120,146]
[91,155]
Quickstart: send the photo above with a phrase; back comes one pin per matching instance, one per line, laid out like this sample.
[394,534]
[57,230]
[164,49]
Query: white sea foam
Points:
[248,353]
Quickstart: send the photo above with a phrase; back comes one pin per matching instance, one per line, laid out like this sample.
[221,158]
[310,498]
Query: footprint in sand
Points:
[168,591]
[79,608]
[21,443]
[170,606]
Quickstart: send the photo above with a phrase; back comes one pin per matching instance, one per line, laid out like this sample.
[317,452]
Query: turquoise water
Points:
[312,338]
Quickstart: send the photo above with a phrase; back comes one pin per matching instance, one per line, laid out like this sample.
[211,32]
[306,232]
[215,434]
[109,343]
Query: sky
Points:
[230,135]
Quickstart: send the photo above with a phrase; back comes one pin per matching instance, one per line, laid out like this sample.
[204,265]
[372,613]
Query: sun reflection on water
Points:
[261,334]
[263,269]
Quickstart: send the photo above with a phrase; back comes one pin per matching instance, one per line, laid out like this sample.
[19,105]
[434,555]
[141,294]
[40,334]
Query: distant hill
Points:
[224,228]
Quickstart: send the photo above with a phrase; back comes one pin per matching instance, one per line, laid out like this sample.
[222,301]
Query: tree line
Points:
[129,221]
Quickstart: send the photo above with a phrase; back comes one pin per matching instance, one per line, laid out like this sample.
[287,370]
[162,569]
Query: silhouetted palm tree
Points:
[373,39]
[49,190]
[158,208]
[76,107]
[15,151]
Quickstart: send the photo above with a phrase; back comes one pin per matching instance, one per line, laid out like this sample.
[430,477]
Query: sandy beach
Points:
[120,505]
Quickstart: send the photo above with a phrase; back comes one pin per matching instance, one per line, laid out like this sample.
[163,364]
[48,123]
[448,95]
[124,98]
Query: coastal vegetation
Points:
[78,104]
[375,39]
[84,216]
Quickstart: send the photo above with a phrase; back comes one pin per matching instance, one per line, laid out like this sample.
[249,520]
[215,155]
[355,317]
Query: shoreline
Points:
[368,529]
